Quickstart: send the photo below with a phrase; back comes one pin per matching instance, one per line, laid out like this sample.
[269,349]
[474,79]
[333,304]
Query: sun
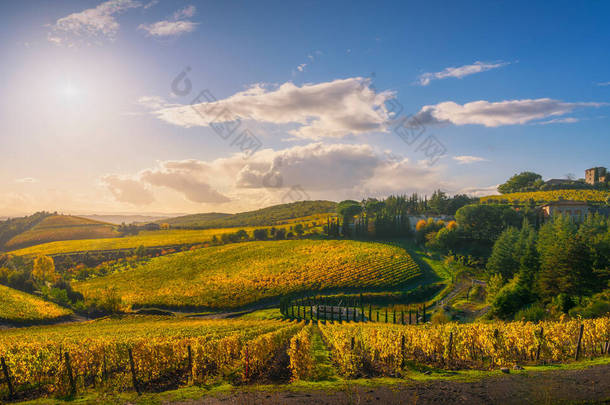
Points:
[70,91]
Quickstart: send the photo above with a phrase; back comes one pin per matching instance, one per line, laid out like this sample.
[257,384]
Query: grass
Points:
[236,275]
[18,307]
[61,228]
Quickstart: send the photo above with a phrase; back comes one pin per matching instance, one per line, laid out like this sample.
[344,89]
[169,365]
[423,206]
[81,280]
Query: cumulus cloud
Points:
[129,190]
[189,177]
[459,72]
[324,110]
[334,171]
[494,114]
[91,25]
[174,26]
[466,160]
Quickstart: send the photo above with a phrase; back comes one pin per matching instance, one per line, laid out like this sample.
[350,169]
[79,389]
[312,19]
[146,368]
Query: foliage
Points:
[524,181]
[44,270]
[236,275]
[13,227]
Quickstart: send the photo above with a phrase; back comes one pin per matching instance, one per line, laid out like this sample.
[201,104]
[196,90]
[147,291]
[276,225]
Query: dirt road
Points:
[591,385]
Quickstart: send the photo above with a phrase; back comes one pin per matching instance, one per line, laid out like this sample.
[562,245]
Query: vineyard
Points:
[172,237]
[236,275]
[61,228]
[548,196]
[20,307]
[157,353]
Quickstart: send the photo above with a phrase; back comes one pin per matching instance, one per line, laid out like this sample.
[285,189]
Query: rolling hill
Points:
[19,307]
[61,228]
[263,217]
[236,275]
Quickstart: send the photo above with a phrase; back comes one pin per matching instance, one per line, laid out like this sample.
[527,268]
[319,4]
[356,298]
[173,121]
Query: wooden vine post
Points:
[540,343]
[7,378]
[134,379]
[370,313]
[70,375]
[580,332]
[190,352]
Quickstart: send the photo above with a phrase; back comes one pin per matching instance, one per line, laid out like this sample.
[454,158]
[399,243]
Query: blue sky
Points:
[90,123]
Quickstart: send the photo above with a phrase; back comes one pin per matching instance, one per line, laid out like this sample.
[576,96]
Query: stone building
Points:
[577,210]
[597,175]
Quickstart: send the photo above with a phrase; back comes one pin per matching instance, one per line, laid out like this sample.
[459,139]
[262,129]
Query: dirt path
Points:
[591,385]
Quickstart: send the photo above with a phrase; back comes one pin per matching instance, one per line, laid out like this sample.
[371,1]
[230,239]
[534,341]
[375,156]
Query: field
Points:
[19,307]
[235,275]
[172,352]
[62,228]
[170,237]
[548,196]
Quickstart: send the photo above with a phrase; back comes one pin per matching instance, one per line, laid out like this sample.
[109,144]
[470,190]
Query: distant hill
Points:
[61,227]
[263,217]
[127,219]
[13,227]
[592,196]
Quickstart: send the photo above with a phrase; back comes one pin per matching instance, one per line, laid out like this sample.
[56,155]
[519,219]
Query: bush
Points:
[532,313]
[260,234]
[510,299]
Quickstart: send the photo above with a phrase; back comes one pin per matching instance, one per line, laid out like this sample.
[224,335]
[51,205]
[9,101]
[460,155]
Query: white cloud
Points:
[604,84]
[459,72]
[189,177]
[174,26]
[323,171]
[152,102]
[91,25]
[129,190]
[480,191]
[494,114]
[568,120]
[186,12]
[324,110]
[26,180]
[466,159]
[301,67]
[169,28]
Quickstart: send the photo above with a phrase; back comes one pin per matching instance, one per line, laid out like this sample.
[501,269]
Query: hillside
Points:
[62,227]
[19,307]
[262,217]
[593,196]
[235,275]
[13,227]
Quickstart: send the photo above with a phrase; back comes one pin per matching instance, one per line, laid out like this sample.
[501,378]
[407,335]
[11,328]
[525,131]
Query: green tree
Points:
[348,209]
[504,259]
[524,181]
[298,229]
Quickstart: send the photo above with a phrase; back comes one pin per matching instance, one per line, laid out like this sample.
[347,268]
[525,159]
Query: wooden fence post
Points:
[386,315]
[402,351]
[7,378]
[190,362]
[132,365]
[582,328]
[417,316]
[377,315]
[247,365]
[370,313]
[410,321]
[540,343]
[70,375]
[450,345]
[394,317]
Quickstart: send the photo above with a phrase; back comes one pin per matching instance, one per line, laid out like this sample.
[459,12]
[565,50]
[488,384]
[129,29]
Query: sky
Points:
[140,106]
